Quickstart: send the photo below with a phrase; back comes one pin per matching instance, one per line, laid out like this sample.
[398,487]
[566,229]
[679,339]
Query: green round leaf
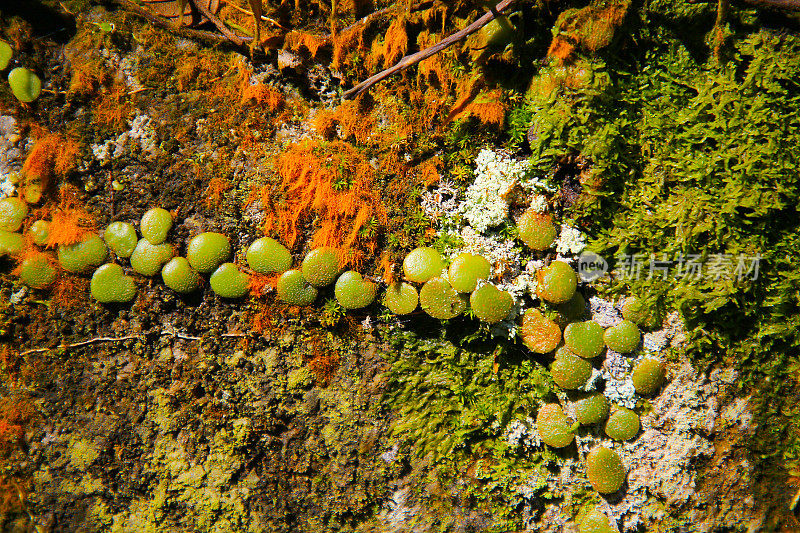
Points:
[401,298]
[554,427]
[321,266]
[648,375]
[25,85]
[121,238]
[227,281]
[623,338]
[557,282]
[591,409]
[179,275]
[12,212]
[584,338]
[207,251]
[352,291]
[37,271]
[465,271]
[422,264]
[440,300]
[82,256]
[293,288]
[570,371]
[110,284]
[147,259]
[155,225]
[536,230]
[267,255]
[490,304]
[623,424]
[605,470]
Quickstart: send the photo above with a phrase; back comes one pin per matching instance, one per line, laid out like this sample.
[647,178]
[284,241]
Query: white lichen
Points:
[570,242]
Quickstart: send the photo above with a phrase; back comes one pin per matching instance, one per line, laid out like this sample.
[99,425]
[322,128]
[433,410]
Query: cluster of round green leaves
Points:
[25,85]
[37,269]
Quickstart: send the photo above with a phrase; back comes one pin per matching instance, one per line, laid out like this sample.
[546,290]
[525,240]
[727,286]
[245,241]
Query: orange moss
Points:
[70,222]
[216,188]
[394,45]
[297,41]
[321,360]
[69,292]
[344,42]
[13,495]
[387,267]
[53,155]
[488,108]
[261,283]
[428,171]
[560,49]
[112,108]
[14,417]
[263,95]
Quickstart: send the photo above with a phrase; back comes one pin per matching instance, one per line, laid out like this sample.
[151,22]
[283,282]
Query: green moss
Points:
[25,85]
[401,298]
[605,470]
[641,313]
[623,424]
[229,282]
[584,338]
[38,271]
[11,243]
[648,375]
[422,264]
[293,288]
[179,276]
[39,232]
[465,271]
[536,230]
[557,282]
[352,291]
[147,259]
[591,409]
[82,256]
[267,255]
[155,225]
[110,284]
[440,300]
[555,429]
[207,251]
[121,238]
[12,212]
[490,304]
[6,53]
[570,371]
[321,266]
[299,379]
[623,338]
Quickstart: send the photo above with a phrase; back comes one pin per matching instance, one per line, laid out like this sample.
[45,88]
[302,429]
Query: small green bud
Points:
[321,266]
[536,230]
[623,424]
[155,225]
[584,338]
[557,282]
[207,251]
[179,276]
[623,338]
[37,271]
[401,298]
[293,288]
[40,231]
[25,85]
[465,271]
[82,256]
[267,255]
[110,284]
[422,264]
[570,371]
[12,212]
[352,291]
[229,282]
[605,470]
[555,429]
[490,304]
[10,243]
[147,259]
[648,375]
[440,300]
[121,238]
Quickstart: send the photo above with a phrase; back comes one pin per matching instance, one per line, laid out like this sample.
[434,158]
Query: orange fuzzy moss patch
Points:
[321,360]
[53,155]
[14,418]
[263,95]
[260,284]
[394,45]
[112,108]
[298,41]
[216,188]
[590,28]
[70,222]
[70,292]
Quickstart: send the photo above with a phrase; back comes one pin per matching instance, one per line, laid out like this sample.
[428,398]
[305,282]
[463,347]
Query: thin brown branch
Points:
[95,340]
[415,58]
[223,29]
[780,4]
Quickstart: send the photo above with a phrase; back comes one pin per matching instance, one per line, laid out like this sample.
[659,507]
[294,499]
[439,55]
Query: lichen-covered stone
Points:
[440,300]
[179,275]
[422,264]
[121,238]
[37,271]
[401,298]
[207,251]
[12,212]
[536,230]
[293,288]
[605,470]
[25,85]
[352,291]
[623,424]
[229,282]
[465,271]
[39,232]
[584,338]
[490,304]
[623,338]
[147,258]
[321,266]
[648,375]
[82,256]
[557,282]
[591,409]
[267,255]
[110,284]
[155,225]
[570,371]
[11,243]
[555,429]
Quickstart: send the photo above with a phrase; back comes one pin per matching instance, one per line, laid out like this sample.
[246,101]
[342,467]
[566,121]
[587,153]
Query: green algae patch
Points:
[352,291]
[147,258]
[570,371]
[555,429]
[321,266]
[11,243]
[584,338]
[623,338]
[440,300]
[536,230]
[6,53]
[557,282]
[82,256]
[592,409]
[595,522]
[401,298]
[266,256]
[605,470]
[648,375]
[207,251]
[38,271]
[293,288]
[121,238]
[465,271]
[39,232]
[422,264]
[179,275]
[229,282]
[539,334]
[490,304]
[155,225]
[25,85]
[623,424]
[12,212]
[110,284]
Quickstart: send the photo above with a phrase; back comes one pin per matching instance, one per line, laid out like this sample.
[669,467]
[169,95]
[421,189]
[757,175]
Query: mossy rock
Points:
[229,282]
[584,338]
[352,291]
[648,375]
[147,258]
[440,300]
[605,470]
[11,243]
[592,408]
[536,230]
[422,264]
[179,275]
[465,271]
[38,271]
[293,288]
[490,304]
[555,429]
[110,285]
[121,238]
[207,251]
[321,266]
[539,334]
[570,371]
[266,256]
[557,282]
[623,338]
[596,522]
[155,225]
[623,424]
[401,298]
[81,256]
[575,308]
[25,85]
[39,232]
[12,212]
